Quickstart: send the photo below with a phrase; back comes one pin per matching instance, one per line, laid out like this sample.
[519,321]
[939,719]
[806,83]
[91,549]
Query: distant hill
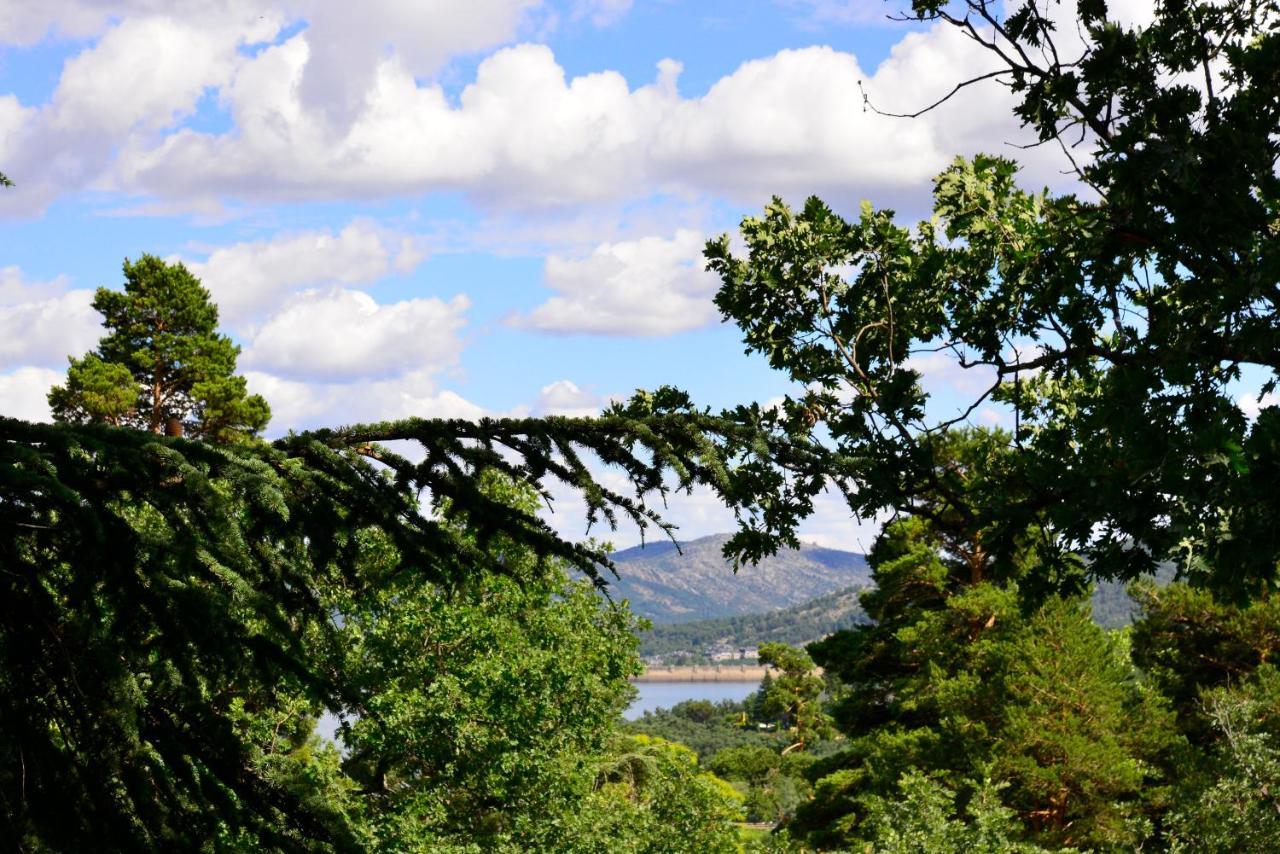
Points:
[1112,607]
[795,625]
[670,587]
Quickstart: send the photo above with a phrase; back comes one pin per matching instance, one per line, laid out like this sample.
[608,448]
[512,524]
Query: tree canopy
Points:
[1115,326]
[162,366]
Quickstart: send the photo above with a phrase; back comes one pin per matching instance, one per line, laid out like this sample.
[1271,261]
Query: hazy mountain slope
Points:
[670,587]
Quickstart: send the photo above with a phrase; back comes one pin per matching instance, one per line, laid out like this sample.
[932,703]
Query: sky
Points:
[448,208]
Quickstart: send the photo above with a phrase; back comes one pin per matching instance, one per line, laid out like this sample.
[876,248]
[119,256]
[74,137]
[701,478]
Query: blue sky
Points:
[448,208]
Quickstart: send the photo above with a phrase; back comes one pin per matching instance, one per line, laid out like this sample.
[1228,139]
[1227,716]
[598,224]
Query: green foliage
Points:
[483,700]
[923,815]
[1189,642]
[706,728]
[652,797]
[162,366]
[96,392]
[791,697]
[159,595]
[1237,808]
[1114,327]
[957,681]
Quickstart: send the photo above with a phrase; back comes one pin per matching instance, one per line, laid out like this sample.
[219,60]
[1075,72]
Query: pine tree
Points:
[163,366]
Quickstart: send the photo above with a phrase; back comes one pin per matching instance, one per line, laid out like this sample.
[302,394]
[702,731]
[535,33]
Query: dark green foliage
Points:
[155,591]
[957,681]
[1235,806]
[1190,642]
[1113,327]
[162,366]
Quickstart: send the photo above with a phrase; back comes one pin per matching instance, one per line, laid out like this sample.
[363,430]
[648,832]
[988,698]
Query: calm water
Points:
[664,695]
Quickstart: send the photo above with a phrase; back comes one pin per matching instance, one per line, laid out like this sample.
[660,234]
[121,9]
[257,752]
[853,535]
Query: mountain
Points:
[696,582]
[795,625]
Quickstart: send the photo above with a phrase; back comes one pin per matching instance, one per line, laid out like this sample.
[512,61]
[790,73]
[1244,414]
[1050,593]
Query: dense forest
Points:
[181,600]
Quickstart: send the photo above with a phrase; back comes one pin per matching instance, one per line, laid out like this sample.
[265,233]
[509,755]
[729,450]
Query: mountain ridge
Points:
[695,582]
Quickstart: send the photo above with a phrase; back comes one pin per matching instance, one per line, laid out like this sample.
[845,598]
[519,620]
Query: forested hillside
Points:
[795,625]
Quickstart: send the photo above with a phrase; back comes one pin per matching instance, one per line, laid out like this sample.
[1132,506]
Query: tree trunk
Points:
[173,427]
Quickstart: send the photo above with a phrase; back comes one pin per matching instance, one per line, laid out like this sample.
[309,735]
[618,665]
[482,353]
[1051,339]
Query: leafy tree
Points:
[707,735]
[160,597]
[483,702]
[1215,661]
[1112,325]
[1237,806]
[162,366]
[924,816]
[791,697]
[955,679]
[652,797]
[1189,642]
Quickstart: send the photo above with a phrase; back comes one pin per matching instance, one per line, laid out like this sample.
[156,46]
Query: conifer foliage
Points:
[151,587]
[162,366]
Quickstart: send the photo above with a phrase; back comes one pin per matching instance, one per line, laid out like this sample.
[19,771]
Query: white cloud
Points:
[143,75]
[248,279]
[650,286]
[1252,404]
[348,107]
[564,397]
[523,134]
[297,404]
[348,40]
[41,323]
[942,372]
[342,334]
[23,393]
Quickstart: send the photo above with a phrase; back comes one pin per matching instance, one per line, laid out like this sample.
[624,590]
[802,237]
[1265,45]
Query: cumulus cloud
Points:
[41,323]
[23,393]
[564,397]
[523,133]
[153,61]
[341,334]
[143,75]
[248,279]
[298,405]
[650,286]
[348,107]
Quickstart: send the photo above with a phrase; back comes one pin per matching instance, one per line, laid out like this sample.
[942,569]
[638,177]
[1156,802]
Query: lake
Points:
[664,695]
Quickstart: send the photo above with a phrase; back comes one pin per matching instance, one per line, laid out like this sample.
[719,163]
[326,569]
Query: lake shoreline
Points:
[703,673]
